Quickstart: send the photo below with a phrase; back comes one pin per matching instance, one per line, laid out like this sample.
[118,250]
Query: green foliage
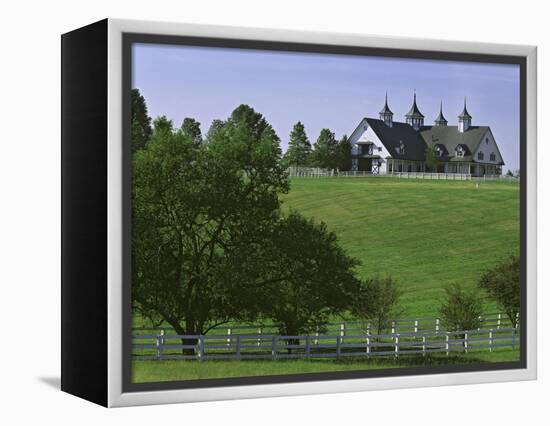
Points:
[318,279]
[192,129]
[378,302]
[299,147]
[461,309]
[162,125]
[325,151]
[431,158]
[216,126]
[141,122]
[502,282]
[343,159]
[201,212]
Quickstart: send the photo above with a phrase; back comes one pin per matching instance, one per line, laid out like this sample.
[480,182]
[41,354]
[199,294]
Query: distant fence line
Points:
[312,172]
[496,320]
[272,347]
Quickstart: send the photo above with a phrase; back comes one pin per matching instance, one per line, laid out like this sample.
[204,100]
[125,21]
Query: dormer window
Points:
[480,155]
[493,157]
[401,148]
[459,151]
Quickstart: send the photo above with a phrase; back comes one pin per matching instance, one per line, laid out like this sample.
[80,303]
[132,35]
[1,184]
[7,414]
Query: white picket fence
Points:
[496,320]
[311,172]
[238,347]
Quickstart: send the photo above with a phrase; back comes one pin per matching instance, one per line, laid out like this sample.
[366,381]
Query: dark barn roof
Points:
[392,137]
[450,137]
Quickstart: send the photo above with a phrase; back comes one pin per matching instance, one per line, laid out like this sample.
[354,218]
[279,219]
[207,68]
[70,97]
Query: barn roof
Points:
[392,137]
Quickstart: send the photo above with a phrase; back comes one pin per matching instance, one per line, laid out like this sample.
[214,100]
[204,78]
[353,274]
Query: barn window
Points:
[459,151]
[480,155]
[493,157]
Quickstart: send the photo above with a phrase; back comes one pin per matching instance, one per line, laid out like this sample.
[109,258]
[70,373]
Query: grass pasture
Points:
[425,233]
[155,371]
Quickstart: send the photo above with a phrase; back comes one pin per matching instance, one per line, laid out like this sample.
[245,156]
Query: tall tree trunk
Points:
[188,330]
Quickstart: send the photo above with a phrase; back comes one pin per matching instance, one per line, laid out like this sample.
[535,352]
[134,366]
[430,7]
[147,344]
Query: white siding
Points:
[364,133]
[488,146]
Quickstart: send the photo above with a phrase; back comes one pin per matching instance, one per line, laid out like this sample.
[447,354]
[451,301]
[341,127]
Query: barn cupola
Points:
[414,117]
[386,115]
[440,120]
[464,119]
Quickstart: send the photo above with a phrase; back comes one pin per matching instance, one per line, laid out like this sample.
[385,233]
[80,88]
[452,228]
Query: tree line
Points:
[211,243]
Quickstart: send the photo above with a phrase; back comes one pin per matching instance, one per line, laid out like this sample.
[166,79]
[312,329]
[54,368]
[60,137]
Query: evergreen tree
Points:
[141,122]
[299,147]
[192,129]
[344,154]
[325,150]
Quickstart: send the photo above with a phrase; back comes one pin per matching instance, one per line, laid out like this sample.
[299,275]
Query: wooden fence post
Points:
[200,353]
[238,348]
[513,338]
[466,342]
[316,341]
[447,343]
[342,330]
[308,346]
[516,325]
[274,347]
[392,327]
[259,337]
[160,344]
[396,345]
[338,349]
[229,338]
[424,345]
[499,320]
[491,340]
[368,344]
[437,325]
[416,326]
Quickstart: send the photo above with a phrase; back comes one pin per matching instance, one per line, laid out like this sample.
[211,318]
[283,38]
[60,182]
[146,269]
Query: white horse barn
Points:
[385,146]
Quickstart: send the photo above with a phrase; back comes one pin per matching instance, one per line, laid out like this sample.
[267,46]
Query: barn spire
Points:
[464,119]
[386,115]
[414,117]
[441,120]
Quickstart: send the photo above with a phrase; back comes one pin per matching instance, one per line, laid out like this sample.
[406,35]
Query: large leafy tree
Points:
[141,122]
[201,214]
[318,277]
[325,150]
[299,147]
[502,282]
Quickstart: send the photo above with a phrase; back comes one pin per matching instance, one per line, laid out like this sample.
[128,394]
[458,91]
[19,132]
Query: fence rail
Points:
[310,172]
[496,320]
[254,346]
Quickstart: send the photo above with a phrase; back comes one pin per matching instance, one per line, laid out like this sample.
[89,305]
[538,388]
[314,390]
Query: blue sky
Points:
[320,90]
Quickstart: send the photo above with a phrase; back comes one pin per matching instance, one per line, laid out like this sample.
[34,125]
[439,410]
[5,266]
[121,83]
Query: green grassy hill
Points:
[424,233]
